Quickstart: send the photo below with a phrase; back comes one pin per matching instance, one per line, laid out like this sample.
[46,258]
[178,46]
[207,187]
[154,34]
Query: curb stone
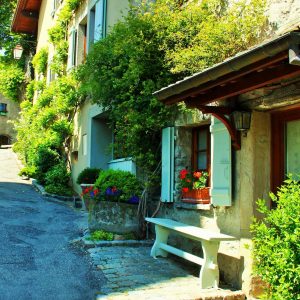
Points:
[41,190]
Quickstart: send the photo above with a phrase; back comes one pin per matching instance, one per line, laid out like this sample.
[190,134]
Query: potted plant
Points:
[193,186]
[86,179]
[119,186]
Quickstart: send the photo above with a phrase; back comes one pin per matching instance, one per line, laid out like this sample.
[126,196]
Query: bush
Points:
[45,158]
[276,241]
[57,180]
[88,175]
[118,185]
[28,171]
[58,175]
[59,189]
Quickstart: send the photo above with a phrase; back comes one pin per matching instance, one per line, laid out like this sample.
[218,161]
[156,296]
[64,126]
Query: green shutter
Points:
[167,175]
[221,185]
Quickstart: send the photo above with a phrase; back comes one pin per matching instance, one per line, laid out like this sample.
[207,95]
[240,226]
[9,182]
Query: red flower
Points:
[113,189]
[96,192]
[197,174]
[185,190]
[183,173]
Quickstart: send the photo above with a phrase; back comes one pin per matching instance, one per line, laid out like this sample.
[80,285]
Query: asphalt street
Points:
[37,260]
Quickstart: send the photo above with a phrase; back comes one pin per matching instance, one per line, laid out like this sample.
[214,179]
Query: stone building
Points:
[9,111]
[243,166]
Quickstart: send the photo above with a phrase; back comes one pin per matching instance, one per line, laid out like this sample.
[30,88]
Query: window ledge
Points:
[191,206]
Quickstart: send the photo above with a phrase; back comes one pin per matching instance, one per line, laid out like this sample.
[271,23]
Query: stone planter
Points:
[85,200]
[200,196]
[114,216]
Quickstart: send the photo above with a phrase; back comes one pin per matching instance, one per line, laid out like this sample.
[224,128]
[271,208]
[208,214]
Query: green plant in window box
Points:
[193,186]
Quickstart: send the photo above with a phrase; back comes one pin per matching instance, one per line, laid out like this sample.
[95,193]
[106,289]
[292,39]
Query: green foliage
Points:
[43,160]
[57,180]
[45,127]
[58,175]
[159,43]
[88,175]
[28,171]
[101,235]
[59,189]
[56,33]
[276,239]
[40,61]
[11,79]
[197,35]
[124,182]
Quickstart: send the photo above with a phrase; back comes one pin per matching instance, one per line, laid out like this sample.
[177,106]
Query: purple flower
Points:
[134,200]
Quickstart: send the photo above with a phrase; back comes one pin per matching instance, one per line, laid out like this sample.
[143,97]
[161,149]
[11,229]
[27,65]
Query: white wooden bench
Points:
[209,273]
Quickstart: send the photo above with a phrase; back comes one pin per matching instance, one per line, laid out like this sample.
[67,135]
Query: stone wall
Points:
[114,217]
[6,128]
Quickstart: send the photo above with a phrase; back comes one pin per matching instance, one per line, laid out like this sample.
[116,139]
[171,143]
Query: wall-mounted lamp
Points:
[241,120]
[18,51]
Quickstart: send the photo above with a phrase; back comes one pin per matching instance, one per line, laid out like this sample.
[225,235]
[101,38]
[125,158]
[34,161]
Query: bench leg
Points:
[209,273]
[162,235]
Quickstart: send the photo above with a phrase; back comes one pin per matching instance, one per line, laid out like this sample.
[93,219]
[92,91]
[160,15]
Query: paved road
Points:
[36,258]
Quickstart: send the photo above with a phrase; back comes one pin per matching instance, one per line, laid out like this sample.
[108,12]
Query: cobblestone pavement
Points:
[131,273]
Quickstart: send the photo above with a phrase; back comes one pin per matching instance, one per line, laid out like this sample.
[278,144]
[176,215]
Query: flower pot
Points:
[85,200]
[200,196]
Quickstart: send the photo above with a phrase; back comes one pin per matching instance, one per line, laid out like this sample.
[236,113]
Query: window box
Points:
[200,196]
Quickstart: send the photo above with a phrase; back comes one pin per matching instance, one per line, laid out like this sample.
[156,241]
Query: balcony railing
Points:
[124,164]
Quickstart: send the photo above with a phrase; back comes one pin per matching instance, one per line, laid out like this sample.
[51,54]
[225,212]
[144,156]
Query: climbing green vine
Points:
[46,123]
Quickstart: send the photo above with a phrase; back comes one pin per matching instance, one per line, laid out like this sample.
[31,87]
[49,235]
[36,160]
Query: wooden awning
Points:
[267,63]
[26,17]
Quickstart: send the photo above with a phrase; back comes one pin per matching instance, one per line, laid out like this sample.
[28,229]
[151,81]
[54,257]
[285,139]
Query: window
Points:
[285,147]
[3,109]
[211,152]
[84,145]
[72,55]
[201,149]
[96,22]
[82,41]
[55,6]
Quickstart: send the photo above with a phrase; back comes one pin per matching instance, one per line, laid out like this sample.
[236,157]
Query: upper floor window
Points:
[55,6]
[72,56]
[201,149]
[3,109]
[82,41]
[96,22]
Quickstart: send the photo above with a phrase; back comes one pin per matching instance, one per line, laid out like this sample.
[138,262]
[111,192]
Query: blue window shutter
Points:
[221,186]
[99,20]
[167,174]
[72,45]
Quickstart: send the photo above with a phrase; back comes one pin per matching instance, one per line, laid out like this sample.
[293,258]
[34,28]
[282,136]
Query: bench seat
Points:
[210,241]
